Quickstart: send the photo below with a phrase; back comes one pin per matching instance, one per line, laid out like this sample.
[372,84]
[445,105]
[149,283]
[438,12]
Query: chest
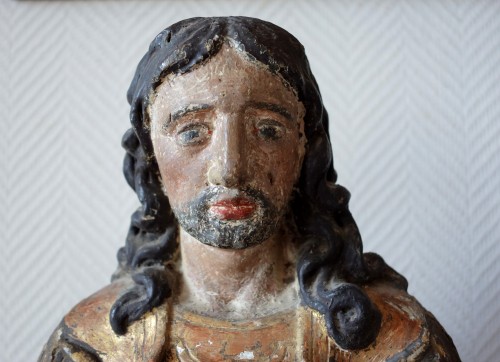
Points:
[287,336]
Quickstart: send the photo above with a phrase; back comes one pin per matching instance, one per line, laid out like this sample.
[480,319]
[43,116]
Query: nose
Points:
[228,166]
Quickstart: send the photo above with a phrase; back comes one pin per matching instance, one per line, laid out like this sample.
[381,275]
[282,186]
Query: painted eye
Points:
[269,129]
[192,134]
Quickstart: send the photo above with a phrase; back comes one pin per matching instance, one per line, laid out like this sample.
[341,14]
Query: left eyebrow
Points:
[273,107]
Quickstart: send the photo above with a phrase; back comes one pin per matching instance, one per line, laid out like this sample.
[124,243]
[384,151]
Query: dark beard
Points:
[196,219]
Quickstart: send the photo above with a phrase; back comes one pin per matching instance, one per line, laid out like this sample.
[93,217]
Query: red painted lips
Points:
[237,208]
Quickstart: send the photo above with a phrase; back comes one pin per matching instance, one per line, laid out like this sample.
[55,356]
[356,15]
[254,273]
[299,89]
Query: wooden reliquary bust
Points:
[243,247]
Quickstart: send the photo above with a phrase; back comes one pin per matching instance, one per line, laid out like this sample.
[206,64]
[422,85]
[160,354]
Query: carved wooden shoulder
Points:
[408,332]
[85,333]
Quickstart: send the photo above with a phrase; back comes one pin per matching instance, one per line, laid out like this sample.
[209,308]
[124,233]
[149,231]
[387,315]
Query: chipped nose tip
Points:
[224,176]
[213,175]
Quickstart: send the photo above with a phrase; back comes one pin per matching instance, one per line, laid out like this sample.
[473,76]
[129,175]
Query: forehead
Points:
[228,74]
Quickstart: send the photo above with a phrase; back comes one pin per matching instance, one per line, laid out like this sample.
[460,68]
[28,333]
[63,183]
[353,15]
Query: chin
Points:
[240,234]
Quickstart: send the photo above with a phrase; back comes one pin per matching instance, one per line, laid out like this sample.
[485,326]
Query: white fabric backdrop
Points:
[413,90]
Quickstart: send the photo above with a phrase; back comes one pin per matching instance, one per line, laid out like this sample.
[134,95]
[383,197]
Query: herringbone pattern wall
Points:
[413,90]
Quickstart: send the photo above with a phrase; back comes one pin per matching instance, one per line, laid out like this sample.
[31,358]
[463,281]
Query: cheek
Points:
[278,172]
[183,176]
[285,172]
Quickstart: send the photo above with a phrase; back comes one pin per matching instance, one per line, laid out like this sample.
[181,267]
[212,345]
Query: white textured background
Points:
[413,90]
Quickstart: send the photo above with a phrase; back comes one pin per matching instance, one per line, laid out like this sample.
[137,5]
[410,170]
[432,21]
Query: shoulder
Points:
[85,333]
[408,332]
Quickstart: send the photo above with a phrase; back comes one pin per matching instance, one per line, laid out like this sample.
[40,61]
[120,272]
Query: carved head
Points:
[220,57]
[228,139]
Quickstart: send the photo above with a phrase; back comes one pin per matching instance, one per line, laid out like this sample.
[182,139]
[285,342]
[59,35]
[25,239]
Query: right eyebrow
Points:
[186,110]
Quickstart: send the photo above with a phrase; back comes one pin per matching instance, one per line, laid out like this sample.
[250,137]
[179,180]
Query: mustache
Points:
[213,194]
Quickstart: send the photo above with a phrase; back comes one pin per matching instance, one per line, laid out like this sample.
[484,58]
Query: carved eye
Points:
[193,134]
[269,129]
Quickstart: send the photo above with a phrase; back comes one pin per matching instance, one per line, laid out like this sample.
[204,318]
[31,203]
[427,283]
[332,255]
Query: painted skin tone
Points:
[230,125]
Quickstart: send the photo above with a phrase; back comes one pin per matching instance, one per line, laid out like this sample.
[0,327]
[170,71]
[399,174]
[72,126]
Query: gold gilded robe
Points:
[170,333]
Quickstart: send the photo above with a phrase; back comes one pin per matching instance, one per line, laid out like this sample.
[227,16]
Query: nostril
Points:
[231,178]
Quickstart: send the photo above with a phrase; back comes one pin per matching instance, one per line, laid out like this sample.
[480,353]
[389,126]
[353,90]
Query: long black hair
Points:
[331,265]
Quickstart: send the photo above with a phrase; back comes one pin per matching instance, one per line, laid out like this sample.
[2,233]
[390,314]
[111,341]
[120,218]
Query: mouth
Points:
[237,208]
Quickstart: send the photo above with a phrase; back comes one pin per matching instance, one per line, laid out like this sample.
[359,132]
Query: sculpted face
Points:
[229,142]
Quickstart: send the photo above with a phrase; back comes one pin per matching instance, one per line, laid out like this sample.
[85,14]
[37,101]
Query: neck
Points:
[226,280]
